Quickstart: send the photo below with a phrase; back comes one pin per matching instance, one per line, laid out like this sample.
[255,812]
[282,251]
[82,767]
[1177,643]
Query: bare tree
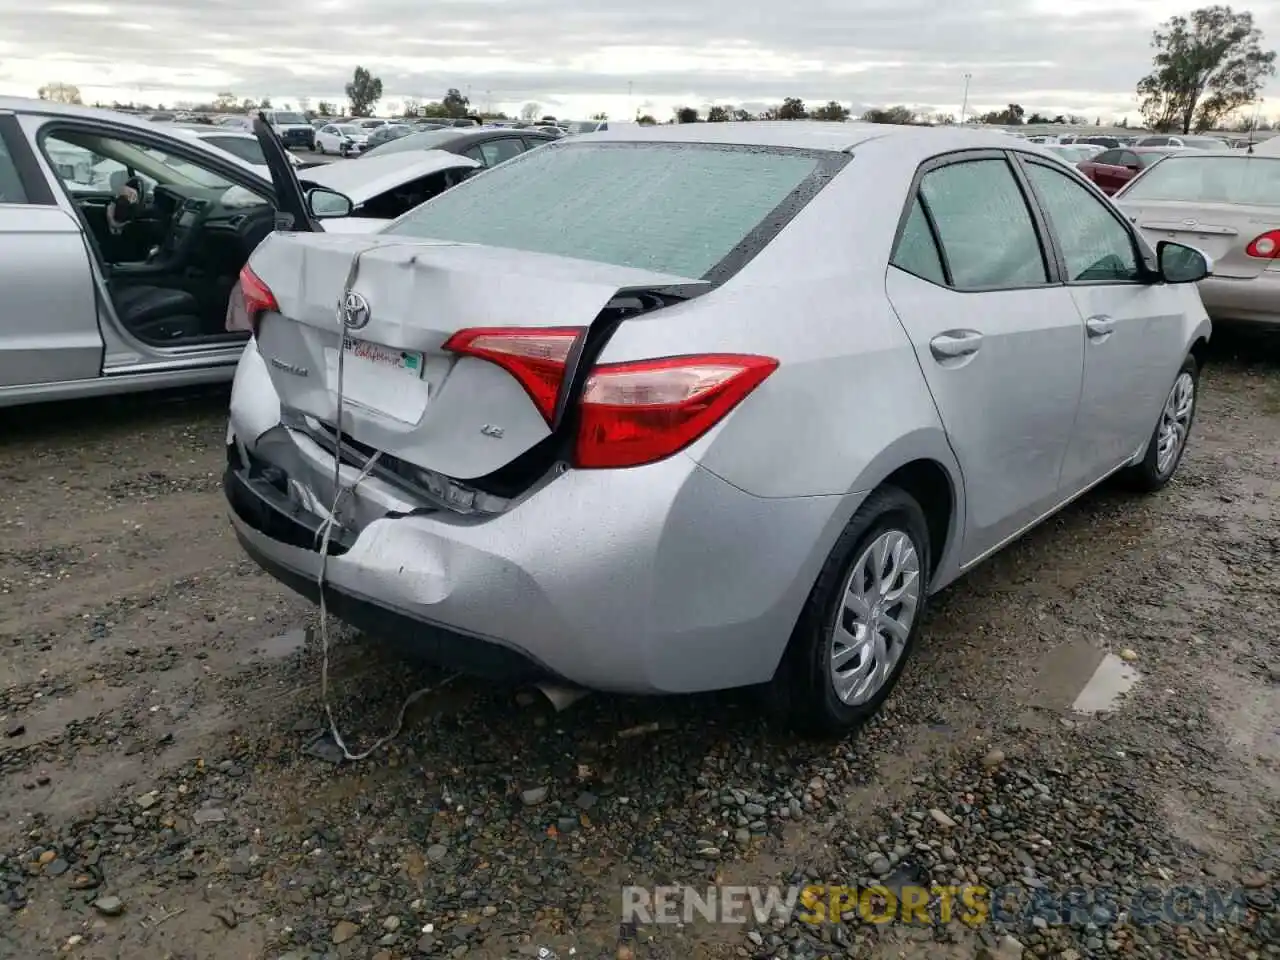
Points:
[58,92]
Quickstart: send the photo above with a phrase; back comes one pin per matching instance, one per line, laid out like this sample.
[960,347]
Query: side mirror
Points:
[1181,264]
[326,204]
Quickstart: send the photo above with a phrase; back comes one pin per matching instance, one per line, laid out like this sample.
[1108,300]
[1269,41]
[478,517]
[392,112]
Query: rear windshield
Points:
[1246,180]
[427,140]
[680,209]
[246,148]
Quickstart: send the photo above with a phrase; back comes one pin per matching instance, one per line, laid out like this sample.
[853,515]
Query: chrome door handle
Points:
[1100,326]
[954,344]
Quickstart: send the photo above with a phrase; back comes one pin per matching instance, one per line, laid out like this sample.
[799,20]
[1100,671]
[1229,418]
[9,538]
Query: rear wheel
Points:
[1169,439]
[859,624]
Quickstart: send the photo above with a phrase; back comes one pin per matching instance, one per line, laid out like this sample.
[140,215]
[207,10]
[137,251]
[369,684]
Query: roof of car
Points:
[811,134]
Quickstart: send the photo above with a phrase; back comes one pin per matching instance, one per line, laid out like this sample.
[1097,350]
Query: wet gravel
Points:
[166,789]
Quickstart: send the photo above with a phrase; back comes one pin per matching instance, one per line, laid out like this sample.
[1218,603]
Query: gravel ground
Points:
[163,793]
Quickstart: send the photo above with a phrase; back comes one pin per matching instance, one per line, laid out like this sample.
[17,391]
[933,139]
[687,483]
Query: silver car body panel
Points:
[53,286]
[689,573]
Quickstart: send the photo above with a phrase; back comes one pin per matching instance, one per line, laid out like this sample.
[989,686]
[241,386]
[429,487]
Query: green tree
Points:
[831,110]
[792,109]
[686,115]
[58,92]
[529,112]
[224,102]
[455,103]
[325,109]
[1038,118]
[1205,67]
[600,117]
[742,116]
[718,115]
[646,120]
[265,103]
[363,92]
[411,107]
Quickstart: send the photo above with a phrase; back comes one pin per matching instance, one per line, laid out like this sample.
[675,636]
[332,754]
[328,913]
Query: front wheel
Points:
[858,626]
[1169,439]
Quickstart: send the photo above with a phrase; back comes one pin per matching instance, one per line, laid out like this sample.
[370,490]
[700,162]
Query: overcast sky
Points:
[576,58]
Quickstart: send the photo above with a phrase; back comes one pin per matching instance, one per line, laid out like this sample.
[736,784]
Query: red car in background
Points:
[1112,169]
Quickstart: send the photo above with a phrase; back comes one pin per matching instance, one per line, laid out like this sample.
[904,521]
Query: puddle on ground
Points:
[1112,679]
[284,645]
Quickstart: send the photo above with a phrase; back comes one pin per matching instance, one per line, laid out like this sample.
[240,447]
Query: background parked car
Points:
[293,128]
[487,146]
[389,186]
[106,290]
[1112,169]
[1072,153]
[1184,140]
[238,143]
[344,139]
[389,131]
[1228,205]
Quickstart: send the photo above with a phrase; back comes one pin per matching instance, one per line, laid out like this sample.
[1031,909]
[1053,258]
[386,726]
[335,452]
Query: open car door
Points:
[292,210]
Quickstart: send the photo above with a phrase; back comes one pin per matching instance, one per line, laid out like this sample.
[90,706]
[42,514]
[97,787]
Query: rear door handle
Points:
[1100,327]
[955,344]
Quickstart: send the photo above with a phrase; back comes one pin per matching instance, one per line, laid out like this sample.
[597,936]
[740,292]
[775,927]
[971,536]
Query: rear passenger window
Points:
[496,151]
[916,252]
[984,225]
[1109,157]
[11,190]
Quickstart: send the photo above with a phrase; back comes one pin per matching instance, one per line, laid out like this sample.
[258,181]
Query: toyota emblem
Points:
[354,311]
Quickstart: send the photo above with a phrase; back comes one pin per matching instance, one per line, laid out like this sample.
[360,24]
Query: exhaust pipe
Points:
[561,698]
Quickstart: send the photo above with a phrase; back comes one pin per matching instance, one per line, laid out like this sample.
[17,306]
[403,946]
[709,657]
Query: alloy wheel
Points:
[877,610]
[1175,422]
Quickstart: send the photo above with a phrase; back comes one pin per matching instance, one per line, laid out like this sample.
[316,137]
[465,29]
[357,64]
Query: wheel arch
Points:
[923,464]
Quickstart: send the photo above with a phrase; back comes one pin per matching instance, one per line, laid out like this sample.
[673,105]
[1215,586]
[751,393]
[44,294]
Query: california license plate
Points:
[384,358]
[381,378]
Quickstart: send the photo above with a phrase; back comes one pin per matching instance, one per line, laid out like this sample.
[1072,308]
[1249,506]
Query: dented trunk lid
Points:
[403,394]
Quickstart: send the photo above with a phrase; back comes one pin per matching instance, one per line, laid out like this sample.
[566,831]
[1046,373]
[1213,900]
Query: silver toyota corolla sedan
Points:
[670,409]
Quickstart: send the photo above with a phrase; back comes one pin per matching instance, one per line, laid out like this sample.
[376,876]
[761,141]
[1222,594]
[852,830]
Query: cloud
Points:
[1083,57]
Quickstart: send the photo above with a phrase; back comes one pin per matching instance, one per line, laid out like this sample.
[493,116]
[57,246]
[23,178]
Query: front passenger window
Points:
[1098,248]
[984,226]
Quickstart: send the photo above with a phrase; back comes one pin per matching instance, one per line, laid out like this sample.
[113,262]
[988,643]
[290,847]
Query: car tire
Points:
[1177,415]
[804,689]
[320,148]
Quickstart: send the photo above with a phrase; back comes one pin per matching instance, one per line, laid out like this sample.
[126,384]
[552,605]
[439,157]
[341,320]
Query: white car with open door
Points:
[120,244]
[384,188]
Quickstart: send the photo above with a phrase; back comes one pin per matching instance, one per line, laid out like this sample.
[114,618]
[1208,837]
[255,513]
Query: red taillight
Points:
[636,413]
[255,299]
[1266,246]
[535,356]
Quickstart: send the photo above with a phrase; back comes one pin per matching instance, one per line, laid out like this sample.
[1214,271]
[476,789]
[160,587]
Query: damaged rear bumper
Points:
[655,579]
